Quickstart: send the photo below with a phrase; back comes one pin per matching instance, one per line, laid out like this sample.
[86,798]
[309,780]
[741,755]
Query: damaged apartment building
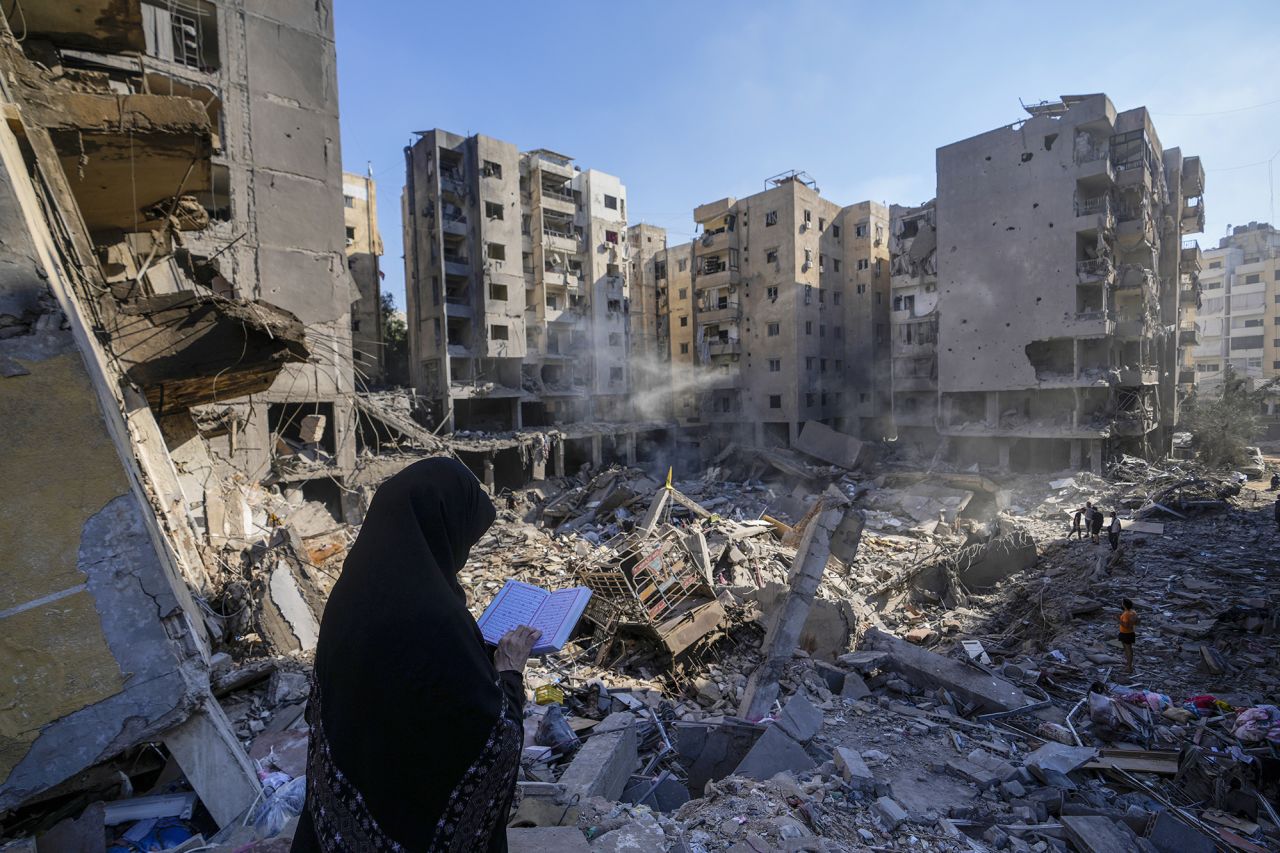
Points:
[519,308]
[175,341]
[364,259]
[518,300]
[913,249]
[1064,306]
[778,314]
[1240,313]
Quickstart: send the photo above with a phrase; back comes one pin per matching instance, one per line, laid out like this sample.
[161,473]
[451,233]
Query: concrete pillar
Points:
[758,434]
[629,448]
[538,463]
[516,421]
[557,459]
[597,450]
[993,409]
[1095,455]
[488,472]
[1003,448]
[793,433]
[1076,454]
[213,761]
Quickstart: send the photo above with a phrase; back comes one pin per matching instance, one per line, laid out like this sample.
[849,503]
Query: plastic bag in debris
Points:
[282,805]
[1257,724]
[554,731]
[152,834]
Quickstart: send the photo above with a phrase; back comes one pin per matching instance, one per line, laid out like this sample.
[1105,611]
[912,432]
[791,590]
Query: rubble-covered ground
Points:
[958,684]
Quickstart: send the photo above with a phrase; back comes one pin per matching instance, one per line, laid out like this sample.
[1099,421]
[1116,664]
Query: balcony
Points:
[559,200]
[456,225]
[1093,324]
[1137,229]
[1135,175]
[718,347]
[1095,166]
[719,312]
[1094,269]
[457,265]
[457,306]
[1189,335]
[1133,377]
[711,243]
[1191,259]
[1192,218]
[563,241]
[1192,177]
[1095,212]
[453,182]
[719,278]
[1189,295]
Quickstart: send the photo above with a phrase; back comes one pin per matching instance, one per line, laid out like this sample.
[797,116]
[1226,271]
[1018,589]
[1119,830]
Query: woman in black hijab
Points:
[416,732]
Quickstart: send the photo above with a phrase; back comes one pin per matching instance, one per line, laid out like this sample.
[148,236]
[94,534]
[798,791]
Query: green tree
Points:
[395,342]
[1224,426]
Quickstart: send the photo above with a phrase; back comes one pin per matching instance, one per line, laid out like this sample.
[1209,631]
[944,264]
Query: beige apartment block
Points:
[517,293]
[649,316]
[1061,279]
[913,248]
[364,258]
[675,267]
[1240,310]
[787,318]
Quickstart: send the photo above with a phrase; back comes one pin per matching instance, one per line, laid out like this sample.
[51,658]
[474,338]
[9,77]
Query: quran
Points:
[555,614]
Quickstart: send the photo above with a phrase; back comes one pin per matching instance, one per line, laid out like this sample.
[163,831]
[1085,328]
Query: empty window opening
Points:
[492,210]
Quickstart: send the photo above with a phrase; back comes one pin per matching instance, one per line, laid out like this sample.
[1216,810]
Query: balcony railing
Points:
[1094,268]
[557,194]
[1098,205]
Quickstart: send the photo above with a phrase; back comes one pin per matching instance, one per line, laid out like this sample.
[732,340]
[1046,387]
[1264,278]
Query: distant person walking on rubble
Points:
[416,730]
[1113,531]
[1095,526]
[1275,481]
[1128,635]
[1077,527]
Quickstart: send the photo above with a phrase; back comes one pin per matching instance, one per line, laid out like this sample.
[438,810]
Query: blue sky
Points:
[690,102]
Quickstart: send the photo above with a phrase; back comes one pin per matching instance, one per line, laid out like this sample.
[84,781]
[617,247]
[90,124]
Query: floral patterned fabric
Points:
[477,807]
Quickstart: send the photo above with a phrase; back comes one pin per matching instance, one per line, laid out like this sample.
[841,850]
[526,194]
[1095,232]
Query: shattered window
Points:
[775,365]
[775,401]
[771,218]
[611,202]
[773,330]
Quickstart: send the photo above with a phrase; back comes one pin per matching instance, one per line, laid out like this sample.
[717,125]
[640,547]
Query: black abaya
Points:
[415,737]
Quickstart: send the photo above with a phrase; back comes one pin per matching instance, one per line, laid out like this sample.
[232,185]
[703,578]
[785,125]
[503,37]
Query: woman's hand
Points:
[514,647]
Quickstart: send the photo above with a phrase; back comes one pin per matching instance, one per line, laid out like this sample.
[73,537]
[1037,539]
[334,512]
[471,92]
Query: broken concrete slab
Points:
[642,834]
[890,813]
[854,687]
[799,718]
[1093,834]
[927,670]
[1002,770]
[854,770]
[605,763]
[546,839]
[712,751]
[773,753]
[214,762]
[1170,835]
[822,442]
[970,772]
[865,661]
[1056,757]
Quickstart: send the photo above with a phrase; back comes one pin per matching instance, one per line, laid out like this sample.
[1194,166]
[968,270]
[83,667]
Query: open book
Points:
[555,614]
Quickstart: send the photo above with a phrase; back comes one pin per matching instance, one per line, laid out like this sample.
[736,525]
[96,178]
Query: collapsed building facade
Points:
[913,249]
[175,304]
[1063,314]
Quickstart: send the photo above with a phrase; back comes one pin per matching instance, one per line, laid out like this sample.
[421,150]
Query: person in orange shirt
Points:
[1128,622]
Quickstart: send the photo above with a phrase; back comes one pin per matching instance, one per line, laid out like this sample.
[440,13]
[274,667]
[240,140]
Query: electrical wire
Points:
[1220,112]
